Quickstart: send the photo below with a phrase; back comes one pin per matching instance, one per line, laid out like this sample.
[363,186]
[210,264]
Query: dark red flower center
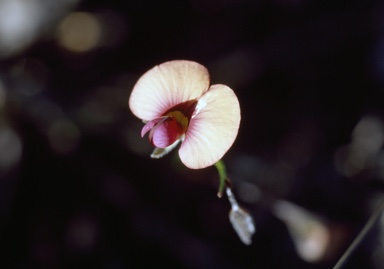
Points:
[172,126]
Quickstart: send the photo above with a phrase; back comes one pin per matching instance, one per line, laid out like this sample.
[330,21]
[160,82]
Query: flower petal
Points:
[213,129]
[167,85]
[165,133]
[149,125]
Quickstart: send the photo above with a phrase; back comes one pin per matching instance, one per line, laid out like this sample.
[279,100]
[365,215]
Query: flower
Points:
[177,104]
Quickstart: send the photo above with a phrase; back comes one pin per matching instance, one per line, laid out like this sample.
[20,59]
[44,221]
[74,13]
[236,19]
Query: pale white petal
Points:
[167,85]
[213,129]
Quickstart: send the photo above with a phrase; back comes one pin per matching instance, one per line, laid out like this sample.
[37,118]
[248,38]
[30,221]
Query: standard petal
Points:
[167,85]
[213,129]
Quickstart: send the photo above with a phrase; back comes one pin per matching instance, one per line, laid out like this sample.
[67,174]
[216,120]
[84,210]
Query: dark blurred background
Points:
[77,186]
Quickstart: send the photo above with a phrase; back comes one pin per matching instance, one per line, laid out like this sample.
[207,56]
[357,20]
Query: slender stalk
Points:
[232,199]
[371,221]
[223,177]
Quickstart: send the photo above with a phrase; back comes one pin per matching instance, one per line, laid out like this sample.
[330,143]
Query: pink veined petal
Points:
[167,85]
[149,125]
[165,133]
[213,129]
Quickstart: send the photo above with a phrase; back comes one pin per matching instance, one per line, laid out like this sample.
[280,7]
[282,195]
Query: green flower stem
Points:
[224,180]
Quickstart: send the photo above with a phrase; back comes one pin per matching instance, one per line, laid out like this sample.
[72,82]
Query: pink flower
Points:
[177,104]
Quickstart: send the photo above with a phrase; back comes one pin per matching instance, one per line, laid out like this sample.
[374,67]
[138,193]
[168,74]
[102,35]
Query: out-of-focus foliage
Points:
[23,22]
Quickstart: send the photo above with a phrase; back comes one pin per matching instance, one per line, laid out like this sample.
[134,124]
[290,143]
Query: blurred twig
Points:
[371,221]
